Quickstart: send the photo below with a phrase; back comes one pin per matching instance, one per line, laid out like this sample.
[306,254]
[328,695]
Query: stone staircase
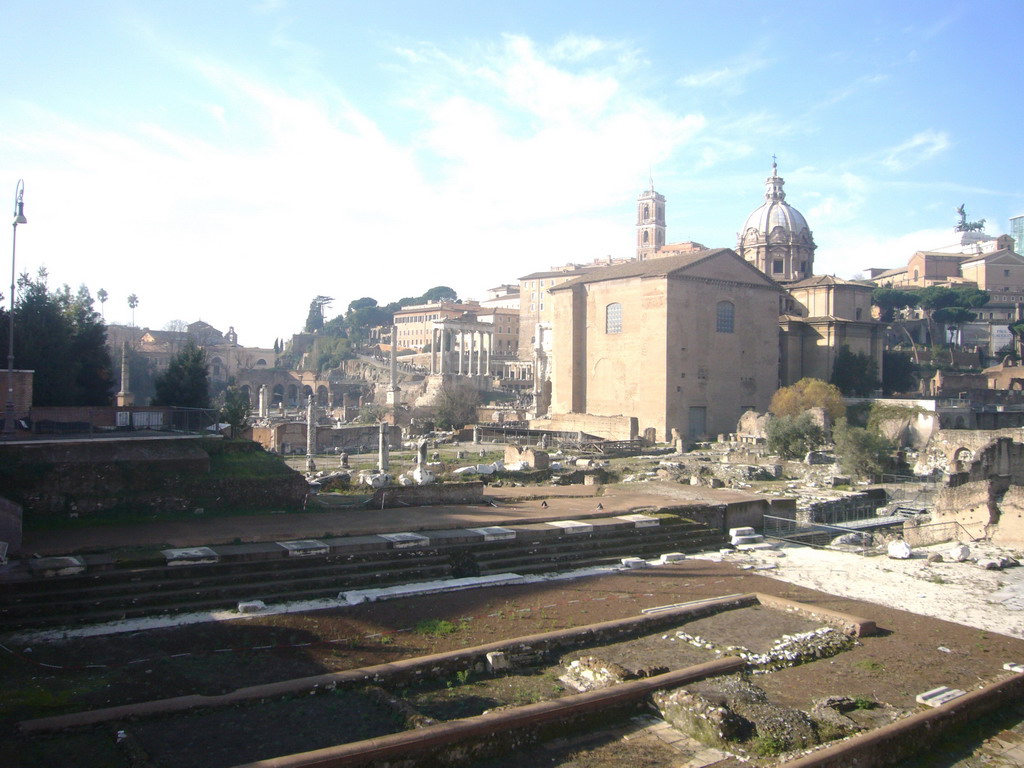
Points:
[276,573]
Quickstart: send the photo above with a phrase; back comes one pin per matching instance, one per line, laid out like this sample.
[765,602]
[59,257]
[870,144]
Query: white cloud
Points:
[730,76]
[507,158]
[848,251]
[919,148]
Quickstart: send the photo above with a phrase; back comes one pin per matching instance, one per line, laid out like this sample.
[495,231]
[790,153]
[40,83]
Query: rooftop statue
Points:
[968,226]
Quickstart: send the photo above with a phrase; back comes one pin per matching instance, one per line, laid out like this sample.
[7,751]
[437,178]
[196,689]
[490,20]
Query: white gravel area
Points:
[961,592]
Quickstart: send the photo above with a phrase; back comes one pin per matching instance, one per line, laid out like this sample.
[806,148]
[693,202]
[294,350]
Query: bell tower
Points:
[650,223]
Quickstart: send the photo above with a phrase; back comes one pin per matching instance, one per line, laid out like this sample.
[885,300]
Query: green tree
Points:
[102,295]
[855,373]
[59,335]
[330,351]
[185,383]
[890,299]
[793,436]
[899,373]
[236,409]
[440,293]
[807,394]
[133,302]
[315,317]
[862,452]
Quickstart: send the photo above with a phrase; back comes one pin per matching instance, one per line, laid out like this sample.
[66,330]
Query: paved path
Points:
[512,505]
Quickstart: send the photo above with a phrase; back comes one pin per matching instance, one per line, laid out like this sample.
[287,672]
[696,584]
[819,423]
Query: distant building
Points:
[685,342]
[1017,231]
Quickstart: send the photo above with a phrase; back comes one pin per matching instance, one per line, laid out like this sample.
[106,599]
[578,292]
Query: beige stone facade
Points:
[415,323]
[684,342]
[827,313]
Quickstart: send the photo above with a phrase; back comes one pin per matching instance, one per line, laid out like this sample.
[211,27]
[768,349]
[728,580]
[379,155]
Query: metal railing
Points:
[820,535]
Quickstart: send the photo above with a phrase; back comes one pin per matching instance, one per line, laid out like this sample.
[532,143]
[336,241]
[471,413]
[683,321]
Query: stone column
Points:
[441,351]
[462,350]
[382,448]
[310,434]
[433,350]
[392,396]
[263,401]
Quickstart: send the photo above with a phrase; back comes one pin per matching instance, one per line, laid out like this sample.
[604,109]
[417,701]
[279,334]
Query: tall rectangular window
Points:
[613,318]
[725,317]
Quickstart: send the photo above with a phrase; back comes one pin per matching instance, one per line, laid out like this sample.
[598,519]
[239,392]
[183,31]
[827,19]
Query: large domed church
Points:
[776,238]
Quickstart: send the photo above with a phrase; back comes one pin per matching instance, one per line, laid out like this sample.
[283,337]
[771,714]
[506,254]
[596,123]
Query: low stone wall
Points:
[722,517]
[427,495]
[895,743]
[156,474]
[608,427]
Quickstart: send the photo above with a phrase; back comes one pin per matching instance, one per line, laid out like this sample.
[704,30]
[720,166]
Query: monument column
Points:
[383,458]
[310,435]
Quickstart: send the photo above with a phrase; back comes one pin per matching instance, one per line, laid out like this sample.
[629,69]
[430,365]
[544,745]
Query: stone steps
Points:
[267,572]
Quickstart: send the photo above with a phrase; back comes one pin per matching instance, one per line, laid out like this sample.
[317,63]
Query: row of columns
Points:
[472,347]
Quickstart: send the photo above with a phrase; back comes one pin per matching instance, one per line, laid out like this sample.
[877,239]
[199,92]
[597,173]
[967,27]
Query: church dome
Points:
[775,212]
[776,238]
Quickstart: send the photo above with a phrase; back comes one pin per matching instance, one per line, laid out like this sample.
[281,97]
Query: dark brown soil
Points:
[217,657]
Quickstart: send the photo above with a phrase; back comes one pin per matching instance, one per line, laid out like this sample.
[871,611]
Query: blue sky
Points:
[229,161]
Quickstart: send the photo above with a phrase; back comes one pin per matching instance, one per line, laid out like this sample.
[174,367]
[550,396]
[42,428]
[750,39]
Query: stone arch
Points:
[306,392]
[293,395]
[244,389]
[321,395]
[277,396]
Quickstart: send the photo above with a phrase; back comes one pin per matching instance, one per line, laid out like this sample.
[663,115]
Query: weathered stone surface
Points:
[960,553]
[730,709]
[898,550]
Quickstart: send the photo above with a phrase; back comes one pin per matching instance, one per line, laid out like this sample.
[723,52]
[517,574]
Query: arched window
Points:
[647,213]
[613,318]
[725,314]
[647,237]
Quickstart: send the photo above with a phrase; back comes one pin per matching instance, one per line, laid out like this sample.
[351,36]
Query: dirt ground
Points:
[910,655]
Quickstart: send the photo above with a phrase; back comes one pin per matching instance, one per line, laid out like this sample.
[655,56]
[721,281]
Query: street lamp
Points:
[19,218]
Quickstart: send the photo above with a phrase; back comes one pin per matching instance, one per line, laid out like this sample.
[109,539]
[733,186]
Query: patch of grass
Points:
[436,628]
[767,746]
[870,665]
[861,703]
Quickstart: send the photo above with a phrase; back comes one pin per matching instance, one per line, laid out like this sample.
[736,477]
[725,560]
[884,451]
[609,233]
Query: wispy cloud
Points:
[729,77]
[919,148]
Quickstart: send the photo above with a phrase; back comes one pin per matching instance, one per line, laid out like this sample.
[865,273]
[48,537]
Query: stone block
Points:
[1012,667]
[48,567]
[495,533]
[898,550]
[740,540]
[405,540]
[640,521]
[190,556]
[572,526]
[634,562]
[498,661]
[304,547]
[744,531]
[936,697]
[251,606]
[960,553]
[672,557]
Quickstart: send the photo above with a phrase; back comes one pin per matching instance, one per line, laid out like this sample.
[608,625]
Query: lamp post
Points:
[19,218]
